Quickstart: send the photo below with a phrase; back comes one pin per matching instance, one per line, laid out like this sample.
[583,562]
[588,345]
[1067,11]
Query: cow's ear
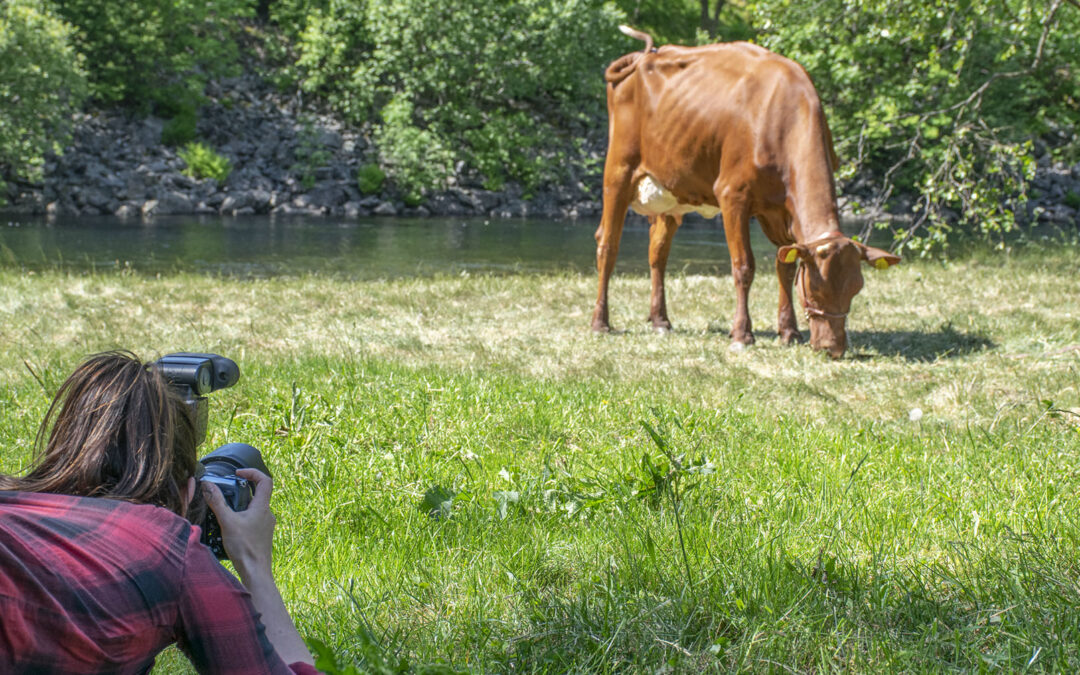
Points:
[878,258]
[787,254]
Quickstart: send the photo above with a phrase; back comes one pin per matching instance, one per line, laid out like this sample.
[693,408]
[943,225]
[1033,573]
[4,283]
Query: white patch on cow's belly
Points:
[653,199]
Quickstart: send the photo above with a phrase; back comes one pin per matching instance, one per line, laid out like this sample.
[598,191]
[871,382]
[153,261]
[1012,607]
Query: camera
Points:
[220,469]
[193,375]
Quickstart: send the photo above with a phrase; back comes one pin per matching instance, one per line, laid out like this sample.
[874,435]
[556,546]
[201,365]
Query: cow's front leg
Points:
[617,192]
[786,325]
[661,231]
[737,230]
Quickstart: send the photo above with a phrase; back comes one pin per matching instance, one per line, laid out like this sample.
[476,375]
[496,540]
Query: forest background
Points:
[940,110]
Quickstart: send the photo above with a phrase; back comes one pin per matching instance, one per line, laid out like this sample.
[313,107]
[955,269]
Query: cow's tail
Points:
[623,66]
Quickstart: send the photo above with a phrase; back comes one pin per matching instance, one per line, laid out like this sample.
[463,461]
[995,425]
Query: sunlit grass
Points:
[823,528]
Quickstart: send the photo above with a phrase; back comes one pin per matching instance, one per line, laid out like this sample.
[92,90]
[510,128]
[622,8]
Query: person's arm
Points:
[248,537]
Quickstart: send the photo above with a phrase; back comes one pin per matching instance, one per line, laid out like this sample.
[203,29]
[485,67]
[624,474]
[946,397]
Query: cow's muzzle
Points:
[829,335]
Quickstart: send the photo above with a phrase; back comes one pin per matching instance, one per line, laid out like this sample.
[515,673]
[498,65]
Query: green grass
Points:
[787,516]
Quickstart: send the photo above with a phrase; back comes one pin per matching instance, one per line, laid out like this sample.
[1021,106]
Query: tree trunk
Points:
[709,23]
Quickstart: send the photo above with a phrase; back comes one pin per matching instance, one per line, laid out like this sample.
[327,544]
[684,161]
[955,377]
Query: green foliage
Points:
[41,83]
[940,99]
[446,89]
[416,157]
[375,660]
[369,179]
[681,21]
[180,128]
[203,162]
[139,46]
[311,154]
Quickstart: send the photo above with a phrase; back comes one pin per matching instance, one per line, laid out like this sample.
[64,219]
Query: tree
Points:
[940,99]
[497,85]
[42,83]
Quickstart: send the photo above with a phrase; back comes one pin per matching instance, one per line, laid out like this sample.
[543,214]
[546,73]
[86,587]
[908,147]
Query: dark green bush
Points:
[180,128]
[940,99]
[41,83]
[497,84]
[369,179]
[137,47]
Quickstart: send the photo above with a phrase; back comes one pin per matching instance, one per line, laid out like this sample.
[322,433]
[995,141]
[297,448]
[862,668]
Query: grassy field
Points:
[467,476]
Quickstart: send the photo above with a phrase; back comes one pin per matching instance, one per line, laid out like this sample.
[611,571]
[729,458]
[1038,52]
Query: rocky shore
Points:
[288,159]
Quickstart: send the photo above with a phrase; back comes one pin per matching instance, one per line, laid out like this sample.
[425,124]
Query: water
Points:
[261,246]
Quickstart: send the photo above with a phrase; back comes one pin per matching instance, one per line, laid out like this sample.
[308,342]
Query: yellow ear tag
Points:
[791,255]
[881,263]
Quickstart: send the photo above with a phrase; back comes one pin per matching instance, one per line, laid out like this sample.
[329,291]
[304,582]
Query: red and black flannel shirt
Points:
[101,586]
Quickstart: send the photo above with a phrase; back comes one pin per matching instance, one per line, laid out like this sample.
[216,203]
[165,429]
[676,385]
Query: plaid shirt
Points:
[101,586]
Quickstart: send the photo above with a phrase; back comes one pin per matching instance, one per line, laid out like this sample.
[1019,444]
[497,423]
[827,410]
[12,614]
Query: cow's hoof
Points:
[791,337]
[663,326]
[737,347]
[743,338]
[601,328]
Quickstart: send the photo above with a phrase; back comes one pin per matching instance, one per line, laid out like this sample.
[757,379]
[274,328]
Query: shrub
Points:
[41,83]
[203,162]
[416,157]
[139,47]
[180,128]
[941,99]
[500,85]
[370,179]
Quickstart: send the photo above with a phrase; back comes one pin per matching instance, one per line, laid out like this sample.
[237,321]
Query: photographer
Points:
[100,571]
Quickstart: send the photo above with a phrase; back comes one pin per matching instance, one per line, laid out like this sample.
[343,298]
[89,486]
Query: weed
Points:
[1072,199]
[203,162]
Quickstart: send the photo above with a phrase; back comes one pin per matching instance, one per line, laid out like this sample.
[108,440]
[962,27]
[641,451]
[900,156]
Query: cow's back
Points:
[691,111]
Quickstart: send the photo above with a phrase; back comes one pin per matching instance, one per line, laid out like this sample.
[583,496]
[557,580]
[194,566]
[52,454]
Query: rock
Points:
[354,210]
[234,202]
[324,197]
[386,209]
[174,202]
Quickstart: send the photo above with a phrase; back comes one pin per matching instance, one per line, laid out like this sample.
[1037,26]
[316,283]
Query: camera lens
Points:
[228,458]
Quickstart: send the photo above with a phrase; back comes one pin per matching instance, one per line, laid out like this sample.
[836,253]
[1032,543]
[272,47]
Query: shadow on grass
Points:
[916,345]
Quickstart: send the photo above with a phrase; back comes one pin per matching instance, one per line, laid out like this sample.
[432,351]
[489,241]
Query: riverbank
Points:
[288,157]
[291,157]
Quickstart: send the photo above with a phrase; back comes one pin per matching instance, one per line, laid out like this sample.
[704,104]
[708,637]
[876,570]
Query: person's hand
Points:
[248,535]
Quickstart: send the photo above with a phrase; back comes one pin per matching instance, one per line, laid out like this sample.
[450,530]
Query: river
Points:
[262,246]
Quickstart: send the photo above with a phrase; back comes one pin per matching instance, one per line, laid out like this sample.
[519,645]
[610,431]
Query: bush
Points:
[139,47]
[416,157]
[203,162]
[41,83]
[940,99]
[181,126]
[500,85]
[369,179]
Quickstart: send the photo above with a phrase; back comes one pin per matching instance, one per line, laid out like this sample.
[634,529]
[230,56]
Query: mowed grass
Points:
[466,475]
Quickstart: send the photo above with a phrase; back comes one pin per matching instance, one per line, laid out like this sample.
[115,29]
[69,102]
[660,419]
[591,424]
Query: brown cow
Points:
[736,130]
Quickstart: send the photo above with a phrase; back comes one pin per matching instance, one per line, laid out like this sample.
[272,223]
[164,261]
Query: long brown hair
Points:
[116,430]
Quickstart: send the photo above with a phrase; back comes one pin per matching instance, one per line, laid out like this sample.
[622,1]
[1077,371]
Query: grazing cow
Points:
[736,130]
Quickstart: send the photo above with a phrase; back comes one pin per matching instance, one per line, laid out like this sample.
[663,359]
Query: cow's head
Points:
[829,277]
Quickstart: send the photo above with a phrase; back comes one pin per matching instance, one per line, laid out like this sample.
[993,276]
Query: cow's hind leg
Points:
[617,197]
[736,214]
[661,231]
